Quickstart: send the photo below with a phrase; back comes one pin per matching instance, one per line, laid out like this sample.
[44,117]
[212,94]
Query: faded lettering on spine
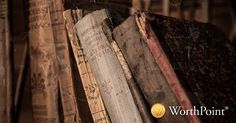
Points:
[135,91]
[68,98]
[44,79]
[107,69]
[93,96]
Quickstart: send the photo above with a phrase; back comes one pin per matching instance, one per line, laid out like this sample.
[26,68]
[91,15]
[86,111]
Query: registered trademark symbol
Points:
[226,107]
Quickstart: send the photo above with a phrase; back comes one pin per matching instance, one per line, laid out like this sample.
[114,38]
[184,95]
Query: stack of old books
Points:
[150,59]
[126,65]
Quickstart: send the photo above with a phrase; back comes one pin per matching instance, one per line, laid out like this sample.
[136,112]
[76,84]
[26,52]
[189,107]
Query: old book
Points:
[43,63]
[202,58]
[67,92]
[145,70]
[2,74]
[6,103]
[3,118]
[164,64]
[135,91]
[107,69]
[93,96]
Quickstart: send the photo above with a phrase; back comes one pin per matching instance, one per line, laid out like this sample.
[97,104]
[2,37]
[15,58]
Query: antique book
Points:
[202,59]
[6,100]
[93,95]
[196,61]
[164,64]
[3,118]
[67,92]
[135,91]
[107,69]
[2,73]
[43,63]
[145,70]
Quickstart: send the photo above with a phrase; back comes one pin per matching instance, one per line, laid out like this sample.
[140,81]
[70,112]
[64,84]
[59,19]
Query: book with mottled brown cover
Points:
[204,61]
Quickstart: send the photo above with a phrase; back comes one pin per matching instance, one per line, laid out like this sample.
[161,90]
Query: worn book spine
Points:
[6,101]
[43,64]
[2,75]
[135,91]
[67,92]
[107,69]
[3,118]
[145,70]
[203,60]
[9,70]
[138,97]
[164,64]
[93,96]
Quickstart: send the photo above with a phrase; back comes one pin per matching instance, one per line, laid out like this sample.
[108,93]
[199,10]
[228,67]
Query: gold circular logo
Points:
[158,110]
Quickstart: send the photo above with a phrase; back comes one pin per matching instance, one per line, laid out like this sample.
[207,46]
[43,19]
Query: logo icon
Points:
[158,110]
